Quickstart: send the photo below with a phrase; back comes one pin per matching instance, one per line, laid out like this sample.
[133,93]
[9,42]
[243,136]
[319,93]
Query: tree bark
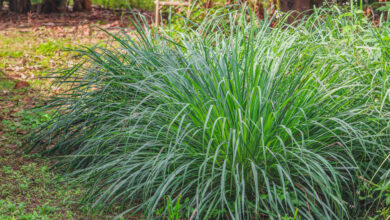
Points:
[77,5]
[20,6]
[88,5]
[81,5]
[209,4]
[50,6]
[296,5]
[299,5]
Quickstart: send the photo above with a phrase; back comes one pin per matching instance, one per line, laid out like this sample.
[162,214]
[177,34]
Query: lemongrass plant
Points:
[239,119]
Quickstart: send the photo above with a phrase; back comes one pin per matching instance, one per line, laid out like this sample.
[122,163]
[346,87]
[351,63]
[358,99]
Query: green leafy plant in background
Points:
[241,119]
[29,120]
[178,19]
[139,4]
[385,7]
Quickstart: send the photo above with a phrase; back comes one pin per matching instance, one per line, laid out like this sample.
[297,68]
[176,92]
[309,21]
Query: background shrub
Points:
[141,4]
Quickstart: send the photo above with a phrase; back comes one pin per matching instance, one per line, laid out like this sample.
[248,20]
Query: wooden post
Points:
[157,15]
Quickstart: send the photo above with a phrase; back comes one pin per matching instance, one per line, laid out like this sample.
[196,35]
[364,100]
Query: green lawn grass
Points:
[29,187]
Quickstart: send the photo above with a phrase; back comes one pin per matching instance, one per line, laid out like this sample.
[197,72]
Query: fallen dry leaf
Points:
[21,84]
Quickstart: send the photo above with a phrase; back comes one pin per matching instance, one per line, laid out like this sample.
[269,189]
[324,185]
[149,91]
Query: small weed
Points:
[50,47]
[173,210]
[46,209]
[6,84]
[29,120]
[7,170]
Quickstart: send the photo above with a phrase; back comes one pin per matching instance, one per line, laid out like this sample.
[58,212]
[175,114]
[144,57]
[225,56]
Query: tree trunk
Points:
[77,5]
[50,6]
[88,5]
[20,6]
[81,5]
[296,5]
[209,4]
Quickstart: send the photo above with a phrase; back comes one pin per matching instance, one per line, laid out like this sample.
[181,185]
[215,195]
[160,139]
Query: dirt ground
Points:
[31,47]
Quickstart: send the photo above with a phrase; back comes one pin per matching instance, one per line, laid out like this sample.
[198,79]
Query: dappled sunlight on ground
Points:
[30,49]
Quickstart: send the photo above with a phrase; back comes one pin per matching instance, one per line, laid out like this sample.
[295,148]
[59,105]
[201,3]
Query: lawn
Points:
[29,188]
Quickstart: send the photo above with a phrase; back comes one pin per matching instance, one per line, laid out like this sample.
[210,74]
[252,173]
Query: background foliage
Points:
[140,4]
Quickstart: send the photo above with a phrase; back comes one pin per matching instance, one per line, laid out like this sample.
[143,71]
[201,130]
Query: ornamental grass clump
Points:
[239,119]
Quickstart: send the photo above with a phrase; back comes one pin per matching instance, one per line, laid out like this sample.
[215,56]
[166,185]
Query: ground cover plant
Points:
[29,189]
[232,119]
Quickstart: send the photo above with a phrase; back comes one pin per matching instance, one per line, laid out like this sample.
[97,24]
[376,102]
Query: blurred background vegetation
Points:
[141,4]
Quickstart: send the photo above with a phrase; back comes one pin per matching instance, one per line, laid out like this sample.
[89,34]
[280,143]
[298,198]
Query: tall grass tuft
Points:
[239,119]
